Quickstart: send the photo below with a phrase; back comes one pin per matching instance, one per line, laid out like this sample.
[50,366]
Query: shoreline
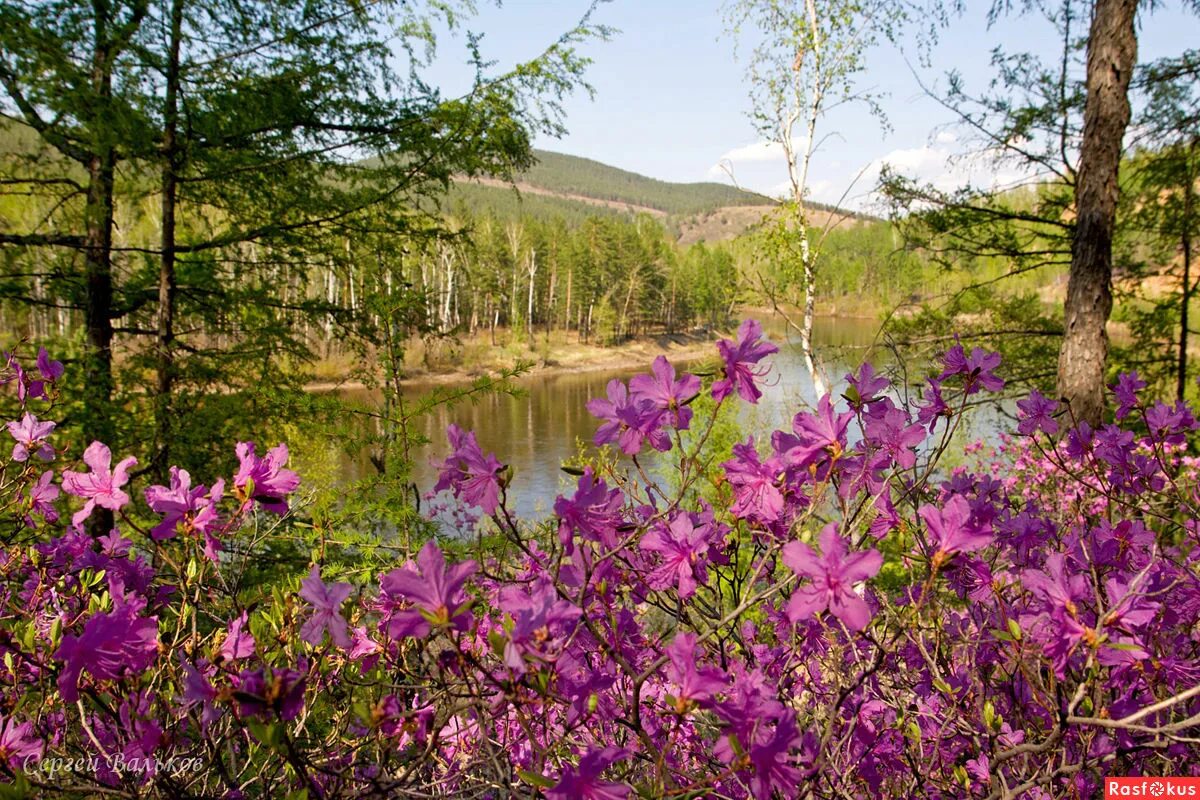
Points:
[576,359]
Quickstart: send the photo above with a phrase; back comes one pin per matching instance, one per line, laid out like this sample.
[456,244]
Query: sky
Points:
[671,100]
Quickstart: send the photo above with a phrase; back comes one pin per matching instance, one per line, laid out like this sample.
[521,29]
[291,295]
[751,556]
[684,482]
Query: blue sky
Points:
[671,100]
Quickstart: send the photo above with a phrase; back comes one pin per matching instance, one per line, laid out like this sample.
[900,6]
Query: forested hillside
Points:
[572,175]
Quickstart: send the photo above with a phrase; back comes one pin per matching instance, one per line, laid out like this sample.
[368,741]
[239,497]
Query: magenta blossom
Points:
[695,684]
[31,438]
[1036,413]
[681,546]
[19,746]
[666,393]
[951,530]
[41,500]
[817,436]
[978,368]
[113,645]
[1126,391]
[741,358]
[100,487]
[629,420]
[468,473]
[832,576]
[434,589]
[264,479]
[326,600]
[864,388]
[583,782]
[754,483]
[594,512]
[239,642]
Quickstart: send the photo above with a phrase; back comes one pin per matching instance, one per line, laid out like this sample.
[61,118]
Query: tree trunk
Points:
[166,273]
[1185,242]
[1112,53]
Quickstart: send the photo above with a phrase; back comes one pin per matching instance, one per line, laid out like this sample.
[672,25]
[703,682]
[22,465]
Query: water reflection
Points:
[536,432]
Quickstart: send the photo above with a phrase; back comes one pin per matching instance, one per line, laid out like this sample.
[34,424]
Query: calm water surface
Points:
[538,431]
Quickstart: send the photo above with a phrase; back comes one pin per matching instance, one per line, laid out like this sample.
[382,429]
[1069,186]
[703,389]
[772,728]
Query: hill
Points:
[572,175]
[575,188]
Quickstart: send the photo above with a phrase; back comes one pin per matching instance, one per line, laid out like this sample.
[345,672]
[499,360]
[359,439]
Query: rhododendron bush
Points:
[824,612]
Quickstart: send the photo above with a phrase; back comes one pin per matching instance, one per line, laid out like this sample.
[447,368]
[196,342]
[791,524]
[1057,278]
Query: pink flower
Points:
[239,643]
[583,782]
[950,529]
[469,473]
[113,645]
[681,546]
[326,600]
[435,589]
[665,392]
[741,358]
[41,500]
[832,576]
[19,746]
[757,497]
[100,487]
[264,479]
[31,438]
[182,506]
[696,684]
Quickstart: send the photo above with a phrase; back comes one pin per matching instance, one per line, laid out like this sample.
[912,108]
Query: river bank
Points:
[461,359]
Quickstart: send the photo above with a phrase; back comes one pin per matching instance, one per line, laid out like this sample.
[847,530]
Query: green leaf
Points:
[535,779]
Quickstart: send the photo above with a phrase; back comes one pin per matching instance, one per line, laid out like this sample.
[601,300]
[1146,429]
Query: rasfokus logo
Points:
[1152,787]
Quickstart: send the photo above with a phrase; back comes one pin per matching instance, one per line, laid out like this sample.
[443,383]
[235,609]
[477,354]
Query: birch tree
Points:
[803,63]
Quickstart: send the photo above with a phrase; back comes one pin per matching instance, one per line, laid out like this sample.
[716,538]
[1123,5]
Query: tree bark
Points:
[166,273]
[1111,56]
[1185,243]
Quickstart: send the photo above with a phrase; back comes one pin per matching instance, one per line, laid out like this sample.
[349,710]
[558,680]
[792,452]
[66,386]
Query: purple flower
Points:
[326,600]
[934,407]
[865,387]
[665,392]
[770,760]
[817,436]
[832,576]
[697,685]
[468,473]
[179,504]
[594,512]
[239,643]
[1126,390]
[629,420]
[741,358]
[888,428]
[754,484]
[112,645]
[1036,413]
[435,589]
[31,438]
[283,693]
[264,479]
[1058,588]
[951,531]
[681,546]
[977,367]
[19,746]
[199,691]
[51,370]
[100,487]
[538,617]
[41,500]
[583,782]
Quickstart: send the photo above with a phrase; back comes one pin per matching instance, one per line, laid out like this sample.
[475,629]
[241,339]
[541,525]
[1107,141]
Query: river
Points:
[540,429]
